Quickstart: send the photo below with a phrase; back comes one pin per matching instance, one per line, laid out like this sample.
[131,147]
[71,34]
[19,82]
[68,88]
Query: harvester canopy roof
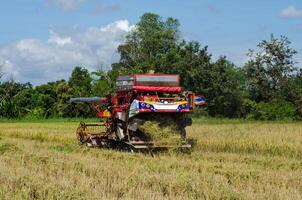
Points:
[157,82]
[149,82]
[169,80]
[157,89]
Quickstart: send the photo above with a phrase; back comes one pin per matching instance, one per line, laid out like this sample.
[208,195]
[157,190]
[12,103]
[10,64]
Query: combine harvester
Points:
[139,99]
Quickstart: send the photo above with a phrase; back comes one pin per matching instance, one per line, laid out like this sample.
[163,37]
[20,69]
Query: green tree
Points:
[25,101]
[103,83]
[151,38]
[62,106]
[11,102]
[219,84]
[46,98]
[296,93]
[270,69]
[80,83]
[80,80]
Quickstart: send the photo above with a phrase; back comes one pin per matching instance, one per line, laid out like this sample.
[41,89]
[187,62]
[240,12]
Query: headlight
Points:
[143,105]
[182,106]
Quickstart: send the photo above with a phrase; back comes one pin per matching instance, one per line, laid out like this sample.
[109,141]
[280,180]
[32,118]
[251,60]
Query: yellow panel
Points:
[106,113]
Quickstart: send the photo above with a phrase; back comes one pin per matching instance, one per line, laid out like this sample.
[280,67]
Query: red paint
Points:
[157,89]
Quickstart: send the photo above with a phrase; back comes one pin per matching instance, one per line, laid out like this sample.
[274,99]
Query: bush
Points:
[275,110]
[200,112]
[36,113]
[298,109]
[248,108]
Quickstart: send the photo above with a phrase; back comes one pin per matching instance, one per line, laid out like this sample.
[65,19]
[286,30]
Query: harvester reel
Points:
[81,133]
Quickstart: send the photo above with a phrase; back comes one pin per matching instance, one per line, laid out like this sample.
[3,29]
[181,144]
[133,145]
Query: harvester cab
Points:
[145,109]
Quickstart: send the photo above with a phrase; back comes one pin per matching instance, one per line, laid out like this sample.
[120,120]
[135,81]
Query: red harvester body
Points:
[138,98]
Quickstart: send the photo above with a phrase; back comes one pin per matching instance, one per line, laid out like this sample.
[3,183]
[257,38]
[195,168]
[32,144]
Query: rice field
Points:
[230,160]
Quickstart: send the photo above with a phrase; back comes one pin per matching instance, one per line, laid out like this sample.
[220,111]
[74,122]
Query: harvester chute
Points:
[87,100]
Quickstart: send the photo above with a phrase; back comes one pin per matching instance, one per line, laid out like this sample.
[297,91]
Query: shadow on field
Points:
[159,150]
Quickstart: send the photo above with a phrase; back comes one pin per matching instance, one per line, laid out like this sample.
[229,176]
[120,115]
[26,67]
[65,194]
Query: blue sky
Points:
[41,40]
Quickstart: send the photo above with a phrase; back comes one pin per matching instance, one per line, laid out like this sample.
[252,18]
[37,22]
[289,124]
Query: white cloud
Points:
[6,66]
[291,11]
[66,5]
[38,61]
[56,39]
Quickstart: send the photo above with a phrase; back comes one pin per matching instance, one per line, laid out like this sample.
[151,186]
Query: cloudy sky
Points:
[42,40]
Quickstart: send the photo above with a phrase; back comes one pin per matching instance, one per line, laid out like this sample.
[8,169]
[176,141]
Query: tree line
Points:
[267,87]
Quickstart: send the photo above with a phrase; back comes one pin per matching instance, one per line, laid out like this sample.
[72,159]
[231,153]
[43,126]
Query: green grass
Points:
[232,159]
